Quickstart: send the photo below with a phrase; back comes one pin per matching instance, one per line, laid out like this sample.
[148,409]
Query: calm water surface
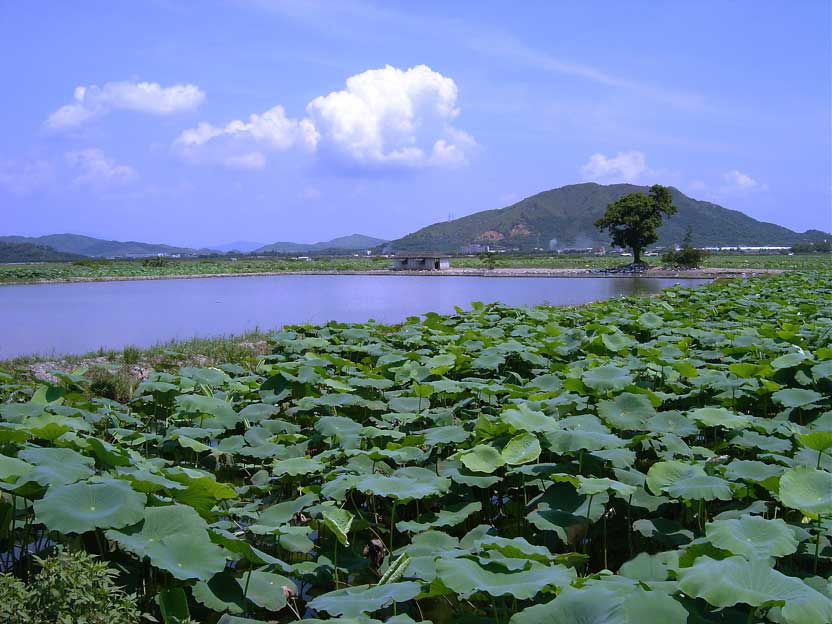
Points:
[77,318]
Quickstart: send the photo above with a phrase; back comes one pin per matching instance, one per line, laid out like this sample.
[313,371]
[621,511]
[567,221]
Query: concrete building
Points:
[422,261]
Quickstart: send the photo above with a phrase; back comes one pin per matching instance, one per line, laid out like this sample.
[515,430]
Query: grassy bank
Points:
[127,269]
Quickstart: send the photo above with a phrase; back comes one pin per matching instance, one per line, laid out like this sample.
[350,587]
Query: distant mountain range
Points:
[98,248]
[565,218]
[353,242]
[60,247]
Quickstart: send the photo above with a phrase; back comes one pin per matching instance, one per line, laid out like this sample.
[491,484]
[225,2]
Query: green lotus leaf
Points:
[450,434]
[607,378]
[515,548]
[663,530]
[752,537]
[627,411]
[56,466]
[600,604]
[450,516]
[297,466]
[187,556]
[521,449]
[650,320]
[410,483]
[344,430]
[822,370]
[796,397]
[595,485]
[267,590]
[646,567]
[808,490]
[789,360]
[816,440]
[749,470]
[281,513]
[525,419]
[50,427]
[483,458]
[546,383]
[213,377]
[82,507]
[565,512]
[664,474]
[700,487]
[221,593]
[339,522]
[719,417]
[257,412]
[198,404]
[735,580]
[351,602]
[466,577]
[570,441]
[617,341]
[453,470]
[231,619]
[157,524]
[11,468]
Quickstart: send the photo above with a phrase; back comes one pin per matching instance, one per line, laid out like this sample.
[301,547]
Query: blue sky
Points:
[201,122]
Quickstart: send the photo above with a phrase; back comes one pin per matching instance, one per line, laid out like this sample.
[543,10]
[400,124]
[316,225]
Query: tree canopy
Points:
[633,220]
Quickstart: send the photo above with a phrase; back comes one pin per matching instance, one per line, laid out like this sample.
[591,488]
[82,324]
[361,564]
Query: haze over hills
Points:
[98,248]
[564,218]
[353,242]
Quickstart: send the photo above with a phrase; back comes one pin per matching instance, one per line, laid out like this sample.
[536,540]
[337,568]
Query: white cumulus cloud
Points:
[93,101]
[392,117]
[384,119]
[623,167]
[94,169]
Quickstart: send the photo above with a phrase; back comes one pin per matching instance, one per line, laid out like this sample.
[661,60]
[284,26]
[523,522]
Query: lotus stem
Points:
[817,547]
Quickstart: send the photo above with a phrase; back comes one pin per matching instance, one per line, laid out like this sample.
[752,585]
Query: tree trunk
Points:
[636,255]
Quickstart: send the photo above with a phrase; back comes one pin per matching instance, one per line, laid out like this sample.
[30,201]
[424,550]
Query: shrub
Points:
[130,355]
[155,262]
[14,601]
[687,257]
[70,588]
[117,386]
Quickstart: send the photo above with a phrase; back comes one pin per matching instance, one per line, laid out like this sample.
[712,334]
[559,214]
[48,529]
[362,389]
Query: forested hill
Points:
[96,247]
[28,252]
[564,217]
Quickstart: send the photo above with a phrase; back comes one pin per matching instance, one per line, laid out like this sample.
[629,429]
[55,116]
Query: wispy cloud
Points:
[95,170]
[511,50]
[623,167]
[737,182]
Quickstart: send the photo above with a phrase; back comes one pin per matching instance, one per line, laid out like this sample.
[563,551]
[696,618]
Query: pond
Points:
[50,319]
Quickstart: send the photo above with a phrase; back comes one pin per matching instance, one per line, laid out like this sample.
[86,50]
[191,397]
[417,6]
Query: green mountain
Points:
[28,252]
[564,217]
[96,247]
[353,242]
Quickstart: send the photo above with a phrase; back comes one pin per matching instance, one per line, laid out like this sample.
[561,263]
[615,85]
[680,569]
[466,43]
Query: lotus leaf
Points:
[85,506]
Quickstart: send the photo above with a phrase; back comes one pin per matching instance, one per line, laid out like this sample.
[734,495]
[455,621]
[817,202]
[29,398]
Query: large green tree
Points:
[633,220]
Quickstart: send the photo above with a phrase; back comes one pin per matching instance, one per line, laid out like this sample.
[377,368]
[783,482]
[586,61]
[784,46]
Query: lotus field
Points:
[665,459]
